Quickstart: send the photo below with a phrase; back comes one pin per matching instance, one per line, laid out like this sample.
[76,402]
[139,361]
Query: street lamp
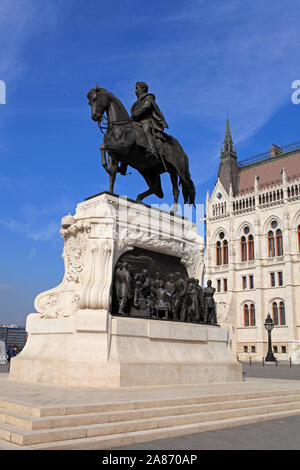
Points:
[269,325]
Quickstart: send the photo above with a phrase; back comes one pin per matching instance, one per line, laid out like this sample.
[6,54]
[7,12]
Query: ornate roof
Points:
[269,171]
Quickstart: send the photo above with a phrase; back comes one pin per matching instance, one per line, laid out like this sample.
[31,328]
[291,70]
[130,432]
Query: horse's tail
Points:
[176,156]
[188,192]
[187,185]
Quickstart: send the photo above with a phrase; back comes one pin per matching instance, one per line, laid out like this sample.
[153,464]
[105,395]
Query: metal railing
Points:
[263,361]
[264,155]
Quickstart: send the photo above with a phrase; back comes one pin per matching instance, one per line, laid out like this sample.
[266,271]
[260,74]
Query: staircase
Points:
[110,425]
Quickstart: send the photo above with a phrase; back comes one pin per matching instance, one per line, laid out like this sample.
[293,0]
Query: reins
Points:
[106,123]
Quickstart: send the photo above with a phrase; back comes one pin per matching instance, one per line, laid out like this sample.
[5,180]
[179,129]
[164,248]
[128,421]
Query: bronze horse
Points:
[124,143]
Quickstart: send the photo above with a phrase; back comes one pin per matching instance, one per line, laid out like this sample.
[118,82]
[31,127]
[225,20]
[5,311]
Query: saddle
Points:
[141,139]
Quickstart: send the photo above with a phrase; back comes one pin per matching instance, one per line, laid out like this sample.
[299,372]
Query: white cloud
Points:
[6,287]
[231,56]
[32,252]
[5,290]
[38,223]
[20,20]
[32,229]
[203,58]
[5,182]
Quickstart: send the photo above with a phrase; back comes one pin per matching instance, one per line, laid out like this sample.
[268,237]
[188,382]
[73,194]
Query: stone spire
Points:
[228,169]
[228,150]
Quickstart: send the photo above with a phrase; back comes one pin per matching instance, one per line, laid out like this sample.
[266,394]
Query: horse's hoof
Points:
[174,210]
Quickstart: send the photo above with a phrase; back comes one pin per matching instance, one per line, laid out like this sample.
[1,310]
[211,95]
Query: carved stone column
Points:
[63,300]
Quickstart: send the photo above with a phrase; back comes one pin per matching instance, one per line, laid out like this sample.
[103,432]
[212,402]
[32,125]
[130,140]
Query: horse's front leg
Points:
[174,180]
[113,167]
[103,158]
[142,196]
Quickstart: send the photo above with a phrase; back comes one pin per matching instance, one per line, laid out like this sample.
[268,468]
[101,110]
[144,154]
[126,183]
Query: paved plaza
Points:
[281,434]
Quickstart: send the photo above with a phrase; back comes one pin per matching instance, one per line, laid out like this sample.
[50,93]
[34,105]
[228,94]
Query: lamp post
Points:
[269,325]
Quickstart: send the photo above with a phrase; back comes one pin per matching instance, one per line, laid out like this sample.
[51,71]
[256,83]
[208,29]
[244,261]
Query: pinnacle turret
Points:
[228,168]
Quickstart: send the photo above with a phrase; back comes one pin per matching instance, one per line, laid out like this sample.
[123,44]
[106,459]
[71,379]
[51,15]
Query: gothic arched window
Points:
[250,247]
[218,253]
[275,240]
[279,245]
[246,315]
[252,315]
[243,249]
[247,245]
[282,313]
[249,315]
[278,312]
[225,251]
[271,244]
[275,313]
[221,250]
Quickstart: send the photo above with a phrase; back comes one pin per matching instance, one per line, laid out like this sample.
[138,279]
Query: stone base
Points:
[74,341]
[95,349]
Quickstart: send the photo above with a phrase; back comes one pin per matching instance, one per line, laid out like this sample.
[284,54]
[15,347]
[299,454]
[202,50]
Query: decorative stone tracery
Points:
[97,235]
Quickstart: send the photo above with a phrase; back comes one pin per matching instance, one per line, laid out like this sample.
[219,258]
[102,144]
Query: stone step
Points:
[5,445]
[32,437]
[52,411]
[131,438]
[35,423]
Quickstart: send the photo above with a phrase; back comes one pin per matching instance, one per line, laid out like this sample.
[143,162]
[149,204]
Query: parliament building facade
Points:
[253,249]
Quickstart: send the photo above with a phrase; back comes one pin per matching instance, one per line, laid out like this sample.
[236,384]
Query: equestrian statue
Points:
[140,141]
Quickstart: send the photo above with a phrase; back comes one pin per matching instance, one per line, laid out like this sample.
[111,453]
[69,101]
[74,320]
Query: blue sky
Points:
[200,58]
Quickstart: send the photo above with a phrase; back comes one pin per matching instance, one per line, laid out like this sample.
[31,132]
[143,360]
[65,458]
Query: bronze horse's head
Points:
[98,102]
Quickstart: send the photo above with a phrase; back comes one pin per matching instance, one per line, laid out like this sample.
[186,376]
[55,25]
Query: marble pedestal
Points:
[75,340]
